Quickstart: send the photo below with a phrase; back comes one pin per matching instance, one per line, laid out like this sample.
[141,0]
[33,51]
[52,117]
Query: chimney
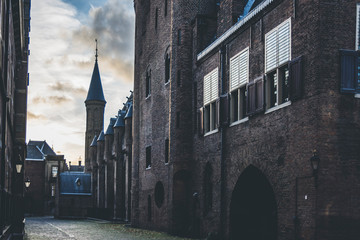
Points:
[69,163]
[79,163]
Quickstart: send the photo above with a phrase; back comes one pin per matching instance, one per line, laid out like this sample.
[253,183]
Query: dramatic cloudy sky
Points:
[62,47]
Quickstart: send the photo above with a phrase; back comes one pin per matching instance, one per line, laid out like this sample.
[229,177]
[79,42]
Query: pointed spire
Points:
[95,89]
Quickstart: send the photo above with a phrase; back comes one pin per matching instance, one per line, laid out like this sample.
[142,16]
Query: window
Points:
[167,68]
[277,57]
[148,83]
[357,44]
[167,147]
[350,80]
[210,101]
[239,77]
[148,157]
[166,8]
[54,171]
[179,37]
[156,18]
[277,87]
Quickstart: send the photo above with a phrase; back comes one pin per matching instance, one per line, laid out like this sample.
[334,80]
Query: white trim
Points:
[233,29]
[285,104]
[239,122]
[32,159]
[211,132]
[211,85]
[246,51]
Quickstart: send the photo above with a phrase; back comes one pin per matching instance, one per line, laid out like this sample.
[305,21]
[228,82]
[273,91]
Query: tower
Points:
[95,105]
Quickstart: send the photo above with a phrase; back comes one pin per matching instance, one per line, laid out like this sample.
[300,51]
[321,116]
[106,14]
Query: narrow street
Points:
[43,228]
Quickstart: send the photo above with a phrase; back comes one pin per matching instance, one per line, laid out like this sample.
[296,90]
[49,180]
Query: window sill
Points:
[148,168]
[239,122]
[148,97]
[167,83]
[167,164]
[211,132]
[278,107]
[357,95]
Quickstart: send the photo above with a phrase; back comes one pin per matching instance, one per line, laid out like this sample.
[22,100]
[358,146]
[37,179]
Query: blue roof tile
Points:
[95,89]
[110,129]
[101,137]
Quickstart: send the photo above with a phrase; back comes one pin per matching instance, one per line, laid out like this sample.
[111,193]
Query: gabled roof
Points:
[93,143]
[101,137]
[95,89]
[120,120]
[129,112]
[37,150]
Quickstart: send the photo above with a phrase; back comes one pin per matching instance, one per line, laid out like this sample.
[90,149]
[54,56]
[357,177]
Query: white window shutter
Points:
[271,50]
[214,84]
[284,43]
[244,67]
[234,73]
[207,89]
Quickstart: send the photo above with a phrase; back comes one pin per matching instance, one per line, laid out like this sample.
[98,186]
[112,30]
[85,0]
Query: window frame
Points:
[148,157]
[148,83]
[52,172]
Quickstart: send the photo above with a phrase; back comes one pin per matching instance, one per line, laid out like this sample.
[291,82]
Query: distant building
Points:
[74,196]
[42,167]
[108,154]
[14,51]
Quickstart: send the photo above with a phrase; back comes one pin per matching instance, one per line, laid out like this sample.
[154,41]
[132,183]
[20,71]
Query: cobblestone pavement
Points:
[43,228]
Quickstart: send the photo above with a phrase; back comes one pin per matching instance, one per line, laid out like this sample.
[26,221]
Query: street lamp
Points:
[19,165]
[27,183]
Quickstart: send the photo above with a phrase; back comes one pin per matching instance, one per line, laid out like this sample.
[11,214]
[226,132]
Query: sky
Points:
[62,57]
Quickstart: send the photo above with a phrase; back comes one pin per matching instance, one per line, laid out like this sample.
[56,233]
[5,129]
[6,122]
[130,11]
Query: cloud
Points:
[67,88]
[33,116]
[51,100]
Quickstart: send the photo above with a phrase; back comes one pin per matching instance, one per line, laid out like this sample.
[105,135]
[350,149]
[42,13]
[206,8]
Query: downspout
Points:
[223,53]
[4,114]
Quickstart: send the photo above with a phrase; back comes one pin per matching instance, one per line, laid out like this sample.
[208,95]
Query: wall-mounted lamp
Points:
[27,183]
[19,165]
[315,161]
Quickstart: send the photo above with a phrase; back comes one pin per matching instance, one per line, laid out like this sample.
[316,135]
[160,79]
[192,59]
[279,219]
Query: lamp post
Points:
[314,163]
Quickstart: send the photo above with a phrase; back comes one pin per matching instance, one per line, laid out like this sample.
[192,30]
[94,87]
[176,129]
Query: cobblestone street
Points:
[43,228]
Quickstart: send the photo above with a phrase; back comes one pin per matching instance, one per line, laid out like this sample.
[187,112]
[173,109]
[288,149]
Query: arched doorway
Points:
[253,209]
[182,203]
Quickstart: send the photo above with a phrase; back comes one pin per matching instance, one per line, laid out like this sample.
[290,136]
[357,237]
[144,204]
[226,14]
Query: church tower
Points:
[95,105]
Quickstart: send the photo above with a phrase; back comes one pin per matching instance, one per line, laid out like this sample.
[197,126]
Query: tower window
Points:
[148,157]
[179,36]
[148,83]
[149,208]
[167,68]
[156,18]
[167,147]
[166,8]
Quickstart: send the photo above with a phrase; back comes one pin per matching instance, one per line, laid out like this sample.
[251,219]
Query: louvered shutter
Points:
[224,109]
[207,89]
[251,98]
[349,70]
[271,50]
[284,43]
[234,73]
[214,85]
[201,121]
[244,67]
[296,78]
[259,85]
[239,70]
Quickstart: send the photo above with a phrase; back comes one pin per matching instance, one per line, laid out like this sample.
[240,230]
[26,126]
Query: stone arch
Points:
[181,202]
[253,208]
[159,194]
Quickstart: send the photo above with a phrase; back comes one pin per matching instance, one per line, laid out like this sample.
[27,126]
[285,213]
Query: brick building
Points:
[42,166]
[235,104]
[14,45]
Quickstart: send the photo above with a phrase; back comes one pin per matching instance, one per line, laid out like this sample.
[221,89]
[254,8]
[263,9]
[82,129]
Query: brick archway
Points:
[253,209]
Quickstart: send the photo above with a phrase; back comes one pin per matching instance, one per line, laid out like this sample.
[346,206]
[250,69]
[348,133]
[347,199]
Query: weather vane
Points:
[96,53]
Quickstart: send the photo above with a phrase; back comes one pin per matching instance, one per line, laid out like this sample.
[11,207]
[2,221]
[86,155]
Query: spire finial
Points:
[96,53]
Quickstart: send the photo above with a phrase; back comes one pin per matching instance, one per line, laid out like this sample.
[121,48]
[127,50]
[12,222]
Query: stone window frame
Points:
[148,157]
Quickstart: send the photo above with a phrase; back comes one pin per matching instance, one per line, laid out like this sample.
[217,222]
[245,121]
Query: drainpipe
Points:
[223,53]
